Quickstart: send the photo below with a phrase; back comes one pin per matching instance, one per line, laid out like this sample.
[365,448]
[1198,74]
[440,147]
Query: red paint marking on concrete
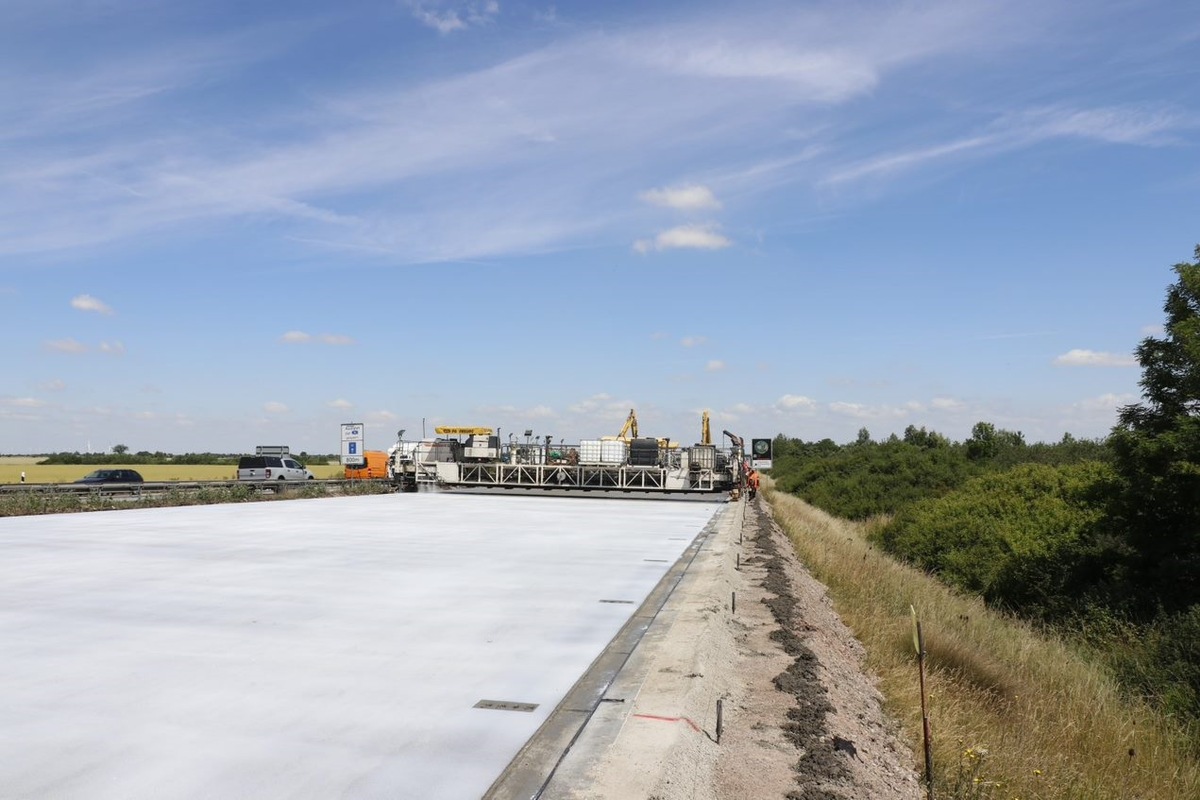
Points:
[694,726]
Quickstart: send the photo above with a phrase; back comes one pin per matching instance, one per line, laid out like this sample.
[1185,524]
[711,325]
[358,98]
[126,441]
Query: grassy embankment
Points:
[1015,714]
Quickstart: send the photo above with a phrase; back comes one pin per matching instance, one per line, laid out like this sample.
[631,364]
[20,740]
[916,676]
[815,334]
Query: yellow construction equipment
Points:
[450,430]
[629,430]
[705,429]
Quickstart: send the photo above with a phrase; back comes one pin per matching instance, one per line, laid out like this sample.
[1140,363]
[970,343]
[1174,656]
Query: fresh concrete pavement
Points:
[310,648]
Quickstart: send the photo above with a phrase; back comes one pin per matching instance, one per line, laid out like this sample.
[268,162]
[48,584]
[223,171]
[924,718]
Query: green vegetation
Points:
[1015,537]
[121,455]
[1015,712]
[1100,539]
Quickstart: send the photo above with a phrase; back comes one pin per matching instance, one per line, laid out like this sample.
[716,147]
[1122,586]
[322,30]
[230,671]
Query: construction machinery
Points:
[475,459]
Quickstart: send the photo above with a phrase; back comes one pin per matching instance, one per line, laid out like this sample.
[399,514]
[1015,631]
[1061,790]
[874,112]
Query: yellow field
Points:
[12,467]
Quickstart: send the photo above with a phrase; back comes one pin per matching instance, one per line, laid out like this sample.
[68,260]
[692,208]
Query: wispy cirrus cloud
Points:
[300,337]
[447,16]
[1130,125]
[685,198]
[572,109]
[23,402]
[65,346]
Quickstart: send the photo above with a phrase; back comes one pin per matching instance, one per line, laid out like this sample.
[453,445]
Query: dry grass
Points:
[10,471]
[1015,714]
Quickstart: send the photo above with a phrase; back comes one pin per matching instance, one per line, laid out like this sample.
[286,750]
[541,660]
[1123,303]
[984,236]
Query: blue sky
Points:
[227,224]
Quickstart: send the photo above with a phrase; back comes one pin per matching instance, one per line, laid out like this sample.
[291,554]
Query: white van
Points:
[272,468]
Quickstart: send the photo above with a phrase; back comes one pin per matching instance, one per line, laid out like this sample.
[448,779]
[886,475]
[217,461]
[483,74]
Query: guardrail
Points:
[148,488]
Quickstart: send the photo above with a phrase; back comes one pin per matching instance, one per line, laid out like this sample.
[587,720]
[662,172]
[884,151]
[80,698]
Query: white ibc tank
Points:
[614,452]
[591,451]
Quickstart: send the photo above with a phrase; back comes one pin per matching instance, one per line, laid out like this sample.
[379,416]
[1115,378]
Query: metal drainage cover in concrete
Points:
[505,705]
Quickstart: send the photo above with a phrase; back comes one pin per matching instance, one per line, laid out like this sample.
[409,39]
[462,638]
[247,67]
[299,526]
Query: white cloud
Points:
[684,198]
[275,407]
[85,302]
[1115,125]
[1125,125]
[447,17]
[65,346]
[1153,330]
[714,366]
[295,337]
[693,341]
[796,403]
[1091,358]
[718,82]
[112,348]
[54,385]
[883,412]
[340,403]
[603,407]
[24,402]
[947,404]
[300,337]
[1105,403]
[693,237]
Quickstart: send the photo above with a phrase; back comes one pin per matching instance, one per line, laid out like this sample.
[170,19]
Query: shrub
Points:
[1019,538]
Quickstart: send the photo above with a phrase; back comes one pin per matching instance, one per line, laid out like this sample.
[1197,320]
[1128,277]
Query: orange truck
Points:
[374,468]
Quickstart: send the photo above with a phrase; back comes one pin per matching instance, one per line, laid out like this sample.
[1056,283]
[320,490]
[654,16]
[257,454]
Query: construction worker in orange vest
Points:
[752,483]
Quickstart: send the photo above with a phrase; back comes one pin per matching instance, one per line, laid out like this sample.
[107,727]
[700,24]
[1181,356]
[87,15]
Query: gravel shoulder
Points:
[750,627]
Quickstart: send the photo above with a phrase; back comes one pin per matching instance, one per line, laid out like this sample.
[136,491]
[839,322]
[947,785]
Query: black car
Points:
[111,476]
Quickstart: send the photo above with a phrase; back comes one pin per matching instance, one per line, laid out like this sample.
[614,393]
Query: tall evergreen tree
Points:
[1157,448]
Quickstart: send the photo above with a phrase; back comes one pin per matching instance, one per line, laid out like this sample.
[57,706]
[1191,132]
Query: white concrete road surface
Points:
[308,648]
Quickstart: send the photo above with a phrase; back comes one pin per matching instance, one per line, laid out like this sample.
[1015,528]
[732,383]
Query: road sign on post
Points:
[352,444]
[760,453]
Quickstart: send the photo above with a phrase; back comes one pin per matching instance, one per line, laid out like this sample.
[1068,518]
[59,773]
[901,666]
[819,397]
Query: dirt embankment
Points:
[801,680]
[749,627]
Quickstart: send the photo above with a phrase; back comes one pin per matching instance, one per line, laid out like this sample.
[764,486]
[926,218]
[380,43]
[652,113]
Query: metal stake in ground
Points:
[720,718]
[919,643]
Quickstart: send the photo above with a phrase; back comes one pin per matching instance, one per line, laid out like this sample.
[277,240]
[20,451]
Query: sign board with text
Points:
[760,453]
[352,444]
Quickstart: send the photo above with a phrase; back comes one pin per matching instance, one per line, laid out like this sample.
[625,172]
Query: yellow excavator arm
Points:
[705,429]
[450,430]
[629,430]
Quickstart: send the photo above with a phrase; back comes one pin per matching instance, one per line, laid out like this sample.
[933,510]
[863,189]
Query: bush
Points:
[1163,664]
[1022,538]
[863,481]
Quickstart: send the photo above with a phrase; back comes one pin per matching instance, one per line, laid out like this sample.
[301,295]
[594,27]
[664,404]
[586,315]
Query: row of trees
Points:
[1087,534]
[120,455]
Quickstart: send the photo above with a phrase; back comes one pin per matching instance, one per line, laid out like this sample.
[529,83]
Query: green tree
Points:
[1156,445]
[120,449]
[989,442]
